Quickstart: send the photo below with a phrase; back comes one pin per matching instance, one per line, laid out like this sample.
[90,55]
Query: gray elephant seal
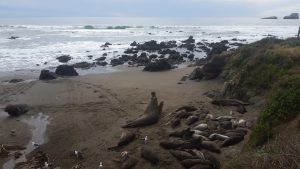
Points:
[150,116]
[125,139]
[149,155]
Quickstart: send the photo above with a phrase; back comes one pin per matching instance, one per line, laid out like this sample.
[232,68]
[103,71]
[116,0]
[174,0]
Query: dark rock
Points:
[100,59]
[159,65]
[271,17]
[47,75]
[133,43]
[175,59]
[90,56]
[84,65]
[153,56]
[14,37]
[218,48]
[15,80]
[66,70]
[131,51]
[102,63]
[143,59]
[104,54]
[188,46]
[64,58]
[191,57]
[168,51]
[116,62]
[292,16]
[197,74]
[16,110]
[107,44]
[189,40]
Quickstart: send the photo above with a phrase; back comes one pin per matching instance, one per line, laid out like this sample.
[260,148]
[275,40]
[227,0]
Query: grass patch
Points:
[283,105]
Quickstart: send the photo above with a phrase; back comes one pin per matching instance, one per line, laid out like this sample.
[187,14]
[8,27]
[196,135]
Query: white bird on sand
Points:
[35,144]
[46,165]
[124,153]
[146,139]
[78,154]
[100,165]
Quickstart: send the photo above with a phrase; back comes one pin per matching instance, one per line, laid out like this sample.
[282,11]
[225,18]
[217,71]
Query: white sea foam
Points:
[42,42]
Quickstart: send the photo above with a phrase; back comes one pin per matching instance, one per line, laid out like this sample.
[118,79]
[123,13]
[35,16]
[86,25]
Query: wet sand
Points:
[86,112]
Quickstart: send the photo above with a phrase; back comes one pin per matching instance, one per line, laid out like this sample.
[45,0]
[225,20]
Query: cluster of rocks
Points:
[62,70]
[205,134]
[211,69]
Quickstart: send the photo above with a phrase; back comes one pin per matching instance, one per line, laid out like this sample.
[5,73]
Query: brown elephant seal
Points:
[182,155]
[150,116]
[188,163]
[127,161]
[191,120]
[229,102]
[214,162]
[211,146]
[232,141]
[149,155]
[187,108]
[183,114]
[172,144]
[201,166]
[125,139]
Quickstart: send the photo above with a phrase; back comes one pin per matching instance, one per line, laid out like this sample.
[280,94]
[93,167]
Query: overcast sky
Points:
[147,8]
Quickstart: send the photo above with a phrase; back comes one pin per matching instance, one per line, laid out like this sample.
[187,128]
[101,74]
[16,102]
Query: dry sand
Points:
[86,112]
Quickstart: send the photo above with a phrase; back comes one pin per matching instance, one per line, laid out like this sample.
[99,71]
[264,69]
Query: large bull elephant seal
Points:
[150,116]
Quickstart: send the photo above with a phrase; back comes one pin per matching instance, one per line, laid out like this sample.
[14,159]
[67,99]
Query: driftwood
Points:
[150,116]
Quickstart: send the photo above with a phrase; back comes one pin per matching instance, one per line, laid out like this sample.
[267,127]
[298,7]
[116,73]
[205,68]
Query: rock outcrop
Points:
[64,58]
[159,65]
[66,70]
[16,110]
[292,16]
[47,75]
[271,17]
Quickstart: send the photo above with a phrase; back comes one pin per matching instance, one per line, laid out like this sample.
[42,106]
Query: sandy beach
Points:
[85,113]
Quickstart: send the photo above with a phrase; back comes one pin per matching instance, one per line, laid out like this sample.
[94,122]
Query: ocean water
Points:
[43,39]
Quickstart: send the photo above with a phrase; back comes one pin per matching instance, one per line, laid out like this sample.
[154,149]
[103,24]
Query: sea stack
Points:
[271,17]
[292,16]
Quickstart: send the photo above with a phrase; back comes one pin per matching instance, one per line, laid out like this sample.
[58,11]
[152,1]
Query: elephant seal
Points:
[125,139]
[191,120]
[187,108]
[229,102]
[188,163]
[172,144]
[232,141]
[201,166]
[150,116]
[182,155]
[127,162]
[211,146]
[216,136]
[149,155]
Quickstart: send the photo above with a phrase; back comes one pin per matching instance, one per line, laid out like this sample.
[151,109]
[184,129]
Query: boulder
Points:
[47,75]
[197,74]
[189,40]
[133,43]
[66,70]
[102,63]
[116,62]
[64,58]
[16,110]
[218,48]
[292,16]
[100,59]
[159,65]
[84,65]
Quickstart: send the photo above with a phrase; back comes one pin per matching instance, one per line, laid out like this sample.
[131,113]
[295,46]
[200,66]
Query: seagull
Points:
[146,140]
[46,165]
[36,145]
[100,165]
[78,154]
[124,153]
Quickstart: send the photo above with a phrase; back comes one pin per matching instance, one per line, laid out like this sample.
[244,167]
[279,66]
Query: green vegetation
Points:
[283,105]
[270,67]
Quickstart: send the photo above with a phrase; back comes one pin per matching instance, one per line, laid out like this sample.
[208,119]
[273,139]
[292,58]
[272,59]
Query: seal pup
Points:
[127,162]
[126,138]
[148,154]
[150,116]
